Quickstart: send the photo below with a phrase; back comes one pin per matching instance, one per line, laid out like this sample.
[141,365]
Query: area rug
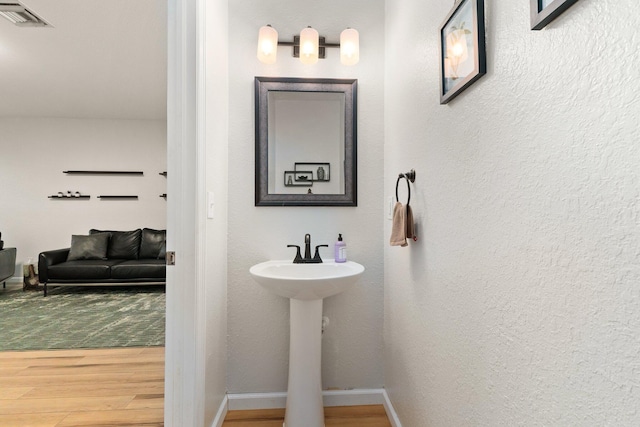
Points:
[82,317]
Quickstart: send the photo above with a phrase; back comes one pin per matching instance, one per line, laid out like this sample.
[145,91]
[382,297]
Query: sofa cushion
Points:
[152,269]
[163,251]
[122,244]
[93,246]
[151,242]
[82,270]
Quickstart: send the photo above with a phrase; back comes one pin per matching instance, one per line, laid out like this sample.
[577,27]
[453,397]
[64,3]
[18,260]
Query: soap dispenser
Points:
[340,250]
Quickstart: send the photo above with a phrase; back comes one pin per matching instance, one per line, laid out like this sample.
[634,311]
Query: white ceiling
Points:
[101,59]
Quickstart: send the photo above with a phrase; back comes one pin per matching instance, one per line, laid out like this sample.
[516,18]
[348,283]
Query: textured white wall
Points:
[519,305]
[35,151]
[258,321]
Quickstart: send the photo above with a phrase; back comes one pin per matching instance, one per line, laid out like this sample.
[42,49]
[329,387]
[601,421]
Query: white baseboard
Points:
[248,401]
[391,413]
[222,413]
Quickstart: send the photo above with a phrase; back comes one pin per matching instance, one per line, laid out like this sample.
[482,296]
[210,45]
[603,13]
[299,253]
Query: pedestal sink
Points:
[305,285]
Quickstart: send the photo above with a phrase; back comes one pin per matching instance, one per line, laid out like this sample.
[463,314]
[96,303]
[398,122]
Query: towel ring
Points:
[409,176]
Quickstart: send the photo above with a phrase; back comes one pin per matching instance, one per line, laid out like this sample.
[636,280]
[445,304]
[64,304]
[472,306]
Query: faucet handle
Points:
[298,258]
[316,257]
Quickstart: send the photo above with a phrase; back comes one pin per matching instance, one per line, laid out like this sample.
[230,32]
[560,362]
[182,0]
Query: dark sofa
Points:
[7,264]
[106,257]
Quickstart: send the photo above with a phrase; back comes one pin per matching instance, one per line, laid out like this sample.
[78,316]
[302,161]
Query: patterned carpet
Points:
[82,317]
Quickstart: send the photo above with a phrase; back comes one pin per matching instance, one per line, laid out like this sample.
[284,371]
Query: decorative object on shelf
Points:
[295,179]
[309,46]
[30,274]
[545,11]
[462,48]
[116,197]
[104,172]
[69,195]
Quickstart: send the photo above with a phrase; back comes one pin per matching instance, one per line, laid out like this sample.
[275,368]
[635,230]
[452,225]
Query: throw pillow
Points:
[122,244]
[93,246]
[151,243]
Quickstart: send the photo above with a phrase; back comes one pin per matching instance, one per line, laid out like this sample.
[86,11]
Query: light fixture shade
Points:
[309,43]
[267,44]
[349,47]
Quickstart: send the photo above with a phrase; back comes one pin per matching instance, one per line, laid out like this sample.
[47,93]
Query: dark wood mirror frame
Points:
[263,85]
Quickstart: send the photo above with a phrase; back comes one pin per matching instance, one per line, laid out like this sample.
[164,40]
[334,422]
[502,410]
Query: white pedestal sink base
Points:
[304,395]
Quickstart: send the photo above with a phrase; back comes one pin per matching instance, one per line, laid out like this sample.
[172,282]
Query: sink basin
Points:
[306,281]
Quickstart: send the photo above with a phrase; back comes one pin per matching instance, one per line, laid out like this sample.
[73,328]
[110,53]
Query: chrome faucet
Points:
[307,252]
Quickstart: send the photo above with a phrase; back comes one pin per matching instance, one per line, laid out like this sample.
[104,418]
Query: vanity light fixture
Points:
[19,15]
[308,46]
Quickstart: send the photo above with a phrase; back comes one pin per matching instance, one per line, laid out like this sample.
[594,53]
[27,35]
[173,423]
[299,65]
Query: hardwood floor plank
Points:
[335,416]
[55,404]
[354,411]
[32,420]
[82,352]
[91,368]
[96,389]
[147,401]
[47,380]
[130,417]
[13,392]
[39,361]
[255,414]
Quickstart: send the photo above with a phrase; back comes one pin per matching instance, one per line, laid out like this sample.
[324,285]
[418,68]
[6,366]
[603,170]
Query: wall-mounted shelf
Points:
[104,172]
[117,197]
[55,196]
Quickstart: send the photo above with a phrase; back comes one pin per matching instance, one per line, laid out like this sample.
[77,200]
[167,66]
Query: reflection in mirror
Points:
[305,142]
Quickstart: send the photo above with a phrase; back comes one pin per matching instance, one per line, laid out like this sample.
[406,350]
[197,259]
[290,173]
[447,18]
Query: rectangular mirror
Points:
[305,142]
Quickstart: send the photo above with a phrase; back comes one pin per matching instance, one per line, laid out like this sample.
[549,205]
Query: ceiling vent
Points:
[19,15]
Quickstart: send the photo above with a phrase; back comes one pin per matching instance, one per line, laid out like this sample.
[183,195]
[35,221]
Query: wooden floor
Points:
[65,388]
[341,416]
[114,388]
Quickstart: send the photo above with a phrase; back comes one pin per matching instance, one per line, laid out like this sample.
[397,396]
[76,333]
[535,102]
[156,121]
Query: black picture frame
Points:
[545,11]
[462,63]
[348,87]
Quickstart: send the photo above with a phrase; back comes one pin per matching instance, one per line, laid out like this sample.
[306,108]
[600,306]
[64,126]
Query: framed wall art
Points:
[463,57]
[545,11]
